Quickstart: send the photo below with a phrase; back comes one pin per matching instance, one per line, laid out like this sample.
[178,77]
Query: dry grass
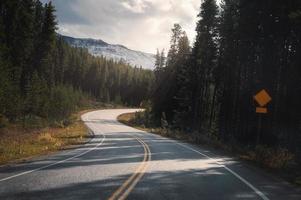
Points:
[17,143]
[273,158]
[128,119]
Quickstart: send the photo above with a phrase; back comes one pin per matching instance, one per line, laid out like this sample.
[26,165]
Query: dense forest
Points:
[241,47]
[41,76]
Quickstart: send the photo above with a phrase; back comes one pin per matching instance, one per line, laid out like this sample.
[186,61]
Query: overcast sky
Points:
[138,24]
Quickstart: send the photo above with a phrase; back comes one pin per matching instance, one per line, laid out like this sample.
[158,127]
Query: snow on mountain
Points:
[115,52]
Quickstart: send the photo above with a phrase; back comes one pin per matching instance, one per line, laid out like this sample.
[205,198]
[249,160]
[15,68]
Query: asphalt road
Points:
[121,162]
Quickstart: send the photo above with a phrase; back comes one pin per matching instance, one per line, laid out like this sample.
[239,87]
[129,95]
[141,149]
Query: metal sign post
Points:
[262,98]
[259,130]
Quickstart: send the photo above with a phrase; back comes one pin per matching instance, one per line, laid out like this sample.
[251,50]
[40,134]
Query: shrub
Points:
[3,121]
[142,119]
[273,158]
[33,121]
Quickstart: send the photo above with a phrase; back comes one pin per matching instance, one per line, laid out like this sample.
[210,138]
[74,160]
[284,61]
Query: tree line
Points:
[241,47]
[42,76]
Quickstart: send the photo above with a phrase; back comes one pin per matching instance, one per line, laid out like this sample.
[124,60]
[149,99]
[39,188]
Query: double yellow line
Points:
[124,190]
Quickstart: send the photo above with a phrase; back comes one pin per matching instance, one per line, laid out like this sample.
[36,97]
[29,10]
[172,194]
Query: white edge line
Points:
[257,191]
[56,163]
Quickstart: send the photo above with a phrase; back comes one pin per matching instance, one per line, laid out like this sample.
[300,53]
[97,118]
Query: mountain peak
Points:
[116,52]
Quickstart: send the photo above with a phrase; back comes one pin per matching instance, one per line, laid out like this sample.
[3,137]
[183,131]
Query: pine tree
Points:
[165,98]
[164,90]
[48,39]
[158,59]
[158,69]
[172,53]
[159,66]
[227,63]
[162,58]
[204,60]
[36,97]
[183,95]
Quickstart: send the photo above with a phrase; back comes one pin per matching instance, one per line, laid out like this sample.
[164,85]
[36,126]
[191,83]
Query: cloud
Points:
[136,6]
[138,24]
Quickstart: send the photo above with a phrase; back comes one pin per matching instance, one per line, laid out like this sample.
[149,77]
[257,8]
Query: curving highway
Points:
[121,162]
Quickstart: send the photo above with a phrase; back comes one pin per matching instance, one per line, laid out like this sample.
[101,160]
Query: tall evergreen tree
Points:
[166,87]
[204,60]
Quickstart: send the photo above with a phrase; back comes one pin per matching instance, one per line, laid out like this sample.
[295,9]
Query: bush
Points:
[142,119]
[33,121]
[3,121]
[273,158]
[139,118]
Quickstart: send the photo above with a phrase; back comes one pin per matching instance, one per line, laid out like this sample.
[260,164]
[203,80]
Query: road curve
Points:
[121,162]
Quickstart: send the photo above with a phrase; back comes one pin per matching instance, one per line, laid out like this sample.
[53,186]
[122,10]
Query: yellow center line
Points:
[124,190]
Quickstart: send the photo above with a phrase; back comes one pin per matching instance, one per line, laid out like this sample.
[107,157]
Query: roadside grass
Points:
[18,143]
[21,141]
[278,161]
[128,118]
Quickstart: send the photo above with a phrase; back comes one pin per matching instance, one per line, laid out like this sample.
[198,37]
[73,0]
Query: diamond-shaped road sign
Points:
[263,98]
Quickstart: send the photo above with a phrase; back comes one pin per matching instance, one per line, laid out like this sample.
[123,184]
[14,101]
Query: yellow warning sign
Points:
[263,98]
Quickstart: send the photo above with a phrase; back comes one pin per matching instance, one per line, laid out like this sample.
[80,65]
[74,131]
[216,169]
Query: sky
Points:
[143,25]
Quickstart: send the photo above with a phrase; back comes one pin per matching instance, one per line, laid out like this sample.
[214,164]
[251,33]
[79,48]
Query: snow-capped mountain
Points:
[111,51]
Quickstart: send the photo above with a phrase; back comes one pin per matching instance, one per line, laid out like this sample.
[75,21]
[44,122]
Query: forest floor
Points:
[19,143]
[291,173]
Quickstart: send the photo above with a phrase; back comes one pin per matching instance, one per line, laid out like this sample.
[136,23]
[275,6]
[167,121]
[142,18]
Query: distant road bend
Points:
[121,162]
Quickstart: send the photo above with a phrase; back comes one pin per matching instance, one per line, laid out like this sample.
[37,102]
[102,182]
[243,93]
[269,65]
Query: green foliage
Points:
[167,77]
[37,97]
[63,101]
[43,78]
